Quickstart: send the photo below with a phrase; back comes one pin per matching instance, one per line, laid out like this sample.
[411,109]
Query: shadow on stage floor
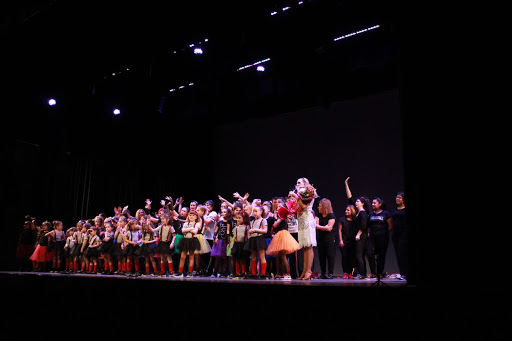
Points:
[98,307]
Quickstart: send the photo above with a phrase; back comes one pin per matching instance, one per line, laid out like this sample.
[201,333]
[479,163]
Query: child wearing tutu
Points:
[117,249]
[41,255]
[85,244]
[132,238]
[204,246]
[57,246]
[281,245]
[189,244]
[148,248]
[240,232]
[256,244]
[92,250]
[166,235]
[220,243]
[107,247]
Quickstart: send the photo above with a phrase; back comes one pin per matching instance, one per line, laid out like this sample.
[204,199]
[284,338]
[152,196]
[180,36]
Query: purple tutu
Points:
[219,248]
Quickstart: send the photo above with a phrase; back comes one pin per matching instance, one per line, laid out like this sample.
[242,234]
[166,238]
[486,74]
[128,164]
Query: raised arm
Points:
[347,189]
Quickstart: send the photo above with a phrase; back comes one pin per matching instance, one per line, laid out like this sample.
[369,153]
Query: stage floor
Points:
[336,281]
[198,308]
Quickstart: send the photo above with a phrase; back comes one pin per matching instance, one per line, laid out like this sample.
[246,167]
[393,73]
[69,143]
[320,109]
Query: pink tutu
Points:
[282,241]
[41,254]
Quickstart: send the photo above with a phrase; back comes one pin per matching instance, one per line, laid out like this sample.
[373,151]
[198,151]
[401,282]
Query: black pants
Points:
[296,259]
[361,264]
[348,257]
[401,246]
[326,254]
[376,252]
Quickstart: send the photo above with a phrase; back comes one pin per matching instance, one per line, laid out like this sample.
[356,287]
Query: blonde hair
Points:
[326,203]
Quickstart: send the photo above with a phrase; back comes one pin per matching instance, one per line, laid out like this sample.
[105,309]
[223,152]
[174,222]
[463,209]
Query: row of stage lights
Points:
[259,64]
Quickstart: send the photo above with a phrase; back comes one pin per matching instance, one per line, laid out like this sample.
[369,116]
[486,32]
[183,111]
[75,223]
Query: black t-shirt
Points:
[399,223]
[323,221]
[361,223]
[270,230]
[178,225]
[283,225]
[378,222]
[232,224]
[222,229]
[348,231]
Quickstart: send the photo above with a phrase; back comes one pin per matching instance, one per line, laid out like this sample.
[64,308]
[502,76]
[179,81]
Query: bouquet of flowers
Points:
[306,195]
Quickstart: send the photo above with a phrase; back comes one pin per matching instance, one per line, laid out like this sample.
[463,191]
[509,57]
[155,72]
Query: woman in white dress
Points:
[306,222]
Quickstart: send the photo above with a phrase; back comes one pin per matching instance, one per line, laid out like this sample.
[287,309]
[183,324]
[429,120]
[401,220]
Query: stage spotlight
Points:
[52,102]
[117,111]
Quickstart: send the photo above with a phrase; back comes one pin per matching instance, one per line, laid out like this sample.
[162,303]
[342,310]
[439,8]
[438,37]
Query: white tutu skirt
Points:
[203,243]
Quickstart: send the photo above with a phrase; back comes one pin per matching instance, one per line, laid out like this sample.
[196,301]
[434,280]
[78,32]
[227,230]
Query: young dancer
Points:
[256,244]
[119,245]
[166,235]
[40,255]
[58,236]
[189,244]
[68,249]
[281,245]
[86,235]
[107,247]
[132,239]
[149,248]
[78,240]
[220,242]
[240,235]
[92,250]
[203,253]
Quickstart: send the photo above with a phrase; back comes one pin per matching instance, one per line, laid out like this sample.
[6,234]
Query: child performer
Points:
[107,248]
[189,244]
[238,253]
[281,245]
[85,244]
[78,240]
[256,243]
[166,235]
[132,238]
[220,243]
[59,240]
[40,255]
[204,246]
[117,249]
[68,249]
[92,252]
[149,248]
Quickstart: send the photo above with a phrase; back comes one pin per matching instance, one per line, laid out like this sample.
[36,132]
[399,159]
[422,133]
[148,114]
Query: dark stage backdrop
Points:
[359,137]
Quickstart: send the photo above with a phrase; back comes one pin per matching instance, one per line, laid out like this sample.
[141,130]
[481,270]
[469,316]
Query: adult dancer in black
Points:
[362,205]
[399,235]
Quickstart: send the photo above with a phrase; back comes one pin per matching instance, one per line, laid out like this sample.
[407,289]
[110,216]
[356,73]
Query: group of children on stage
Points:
[190,241]
[236,242]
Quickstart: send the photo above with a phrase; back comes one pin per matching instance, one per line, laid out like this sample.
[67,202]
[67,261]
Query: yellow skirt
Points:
[203,243]
[282,241]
